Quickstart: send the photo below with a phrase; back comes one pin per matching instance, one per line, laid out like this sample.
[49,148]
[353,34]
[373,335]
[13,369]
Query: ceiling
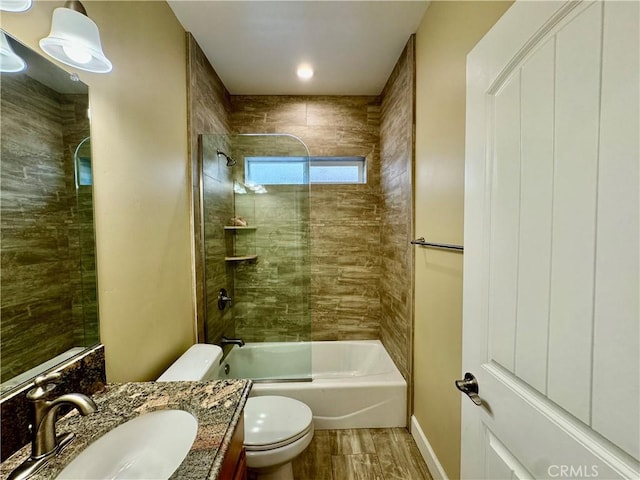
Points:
[256,46]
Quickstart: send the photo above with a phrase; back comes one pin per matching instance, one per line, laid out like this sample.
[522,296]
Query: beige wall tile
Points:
[208,106]
[396,212]
[344,219]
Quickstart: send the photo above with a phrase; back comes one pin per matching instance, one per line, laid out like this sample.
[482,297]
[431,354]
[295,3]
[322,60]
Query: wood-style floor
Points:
[361,454]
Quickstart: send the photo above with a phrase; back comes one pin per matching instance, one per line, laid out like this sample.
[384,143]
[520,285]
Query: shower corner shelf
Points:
[240,258]
[242,245]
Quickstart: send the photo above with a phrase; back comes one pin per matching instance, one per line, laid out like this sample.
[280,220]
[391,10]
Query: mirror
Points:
[49,310]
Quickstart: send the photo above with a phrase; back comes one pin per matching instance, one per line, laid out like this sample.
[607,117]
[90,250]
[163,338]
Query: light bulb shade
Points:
[15,5]
[10,62]
[75,40]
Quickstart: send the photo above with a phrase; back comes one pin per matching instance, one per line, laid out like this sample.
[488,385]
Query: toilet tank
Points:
[200,362]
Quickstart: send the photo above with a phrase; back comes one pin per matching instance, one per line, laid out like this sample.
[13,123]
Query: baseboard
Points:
[437,472]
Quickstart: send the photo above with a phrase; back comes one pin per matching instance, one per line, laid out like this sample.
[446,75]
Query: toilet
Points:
[276,429]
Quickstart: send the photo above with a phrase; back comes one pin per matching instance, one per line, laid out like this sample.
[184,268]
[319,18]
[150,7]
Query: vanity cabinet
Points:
[234,466]
[241,469]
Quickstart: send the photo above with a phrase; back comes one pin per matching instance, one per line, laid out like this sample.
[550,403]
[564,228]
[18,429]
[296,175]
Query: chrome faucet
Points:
[231,341]
[44,441]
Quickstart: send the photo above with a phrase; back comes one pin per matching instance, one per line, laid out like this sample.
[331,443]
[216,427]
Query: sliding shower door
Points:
[255,197]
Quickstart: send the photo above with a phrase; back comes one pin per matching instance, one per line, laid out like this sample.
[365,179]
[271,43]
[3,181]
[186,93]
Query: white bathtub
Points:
[354,384]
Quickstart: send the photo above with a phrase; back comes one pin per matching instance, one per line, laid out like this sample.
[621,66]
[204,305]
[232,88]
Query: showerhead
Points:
[230,161]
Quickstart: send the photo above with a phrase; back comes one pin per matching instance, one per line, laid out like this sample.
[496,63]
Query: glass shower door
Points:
[256,245]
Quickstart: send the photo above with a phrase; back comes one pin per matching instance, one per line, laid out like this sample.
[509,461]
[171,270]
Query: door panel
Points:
[551,307]
[540,435]
[574,211]
[616,325]
[505,204]
[534,256]
[501,464]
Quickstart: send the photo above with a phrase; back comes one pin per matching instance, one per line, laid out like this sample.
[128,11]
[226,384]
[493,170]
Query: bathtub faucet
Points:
[231,341]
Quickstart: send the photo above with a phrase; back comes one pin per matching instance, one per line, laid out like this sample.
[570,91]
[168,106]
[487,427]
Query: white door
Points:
[551,316]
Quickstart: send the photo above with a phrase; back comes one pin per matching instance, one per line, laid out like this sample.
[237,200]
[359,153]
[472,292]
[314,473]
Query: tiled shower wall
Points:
[44,227]
[397,126]
[344,219]
[208,106]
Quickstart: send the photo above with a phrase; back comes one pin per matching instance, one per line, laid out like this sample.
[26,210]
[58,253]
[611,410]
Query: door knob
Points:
[469,385]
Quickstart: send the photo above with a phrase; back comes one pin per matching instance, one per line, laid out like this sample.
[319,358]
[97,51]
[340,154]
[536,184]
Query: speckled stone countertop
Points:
[216,404]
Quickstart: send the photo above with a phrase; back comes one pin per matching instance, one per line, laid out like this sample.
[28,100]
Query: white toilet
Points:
[276,429]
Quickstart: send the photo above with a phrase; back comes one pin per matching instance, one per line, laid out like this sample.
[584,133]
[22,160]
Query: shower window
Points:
[293,170]
[276,170]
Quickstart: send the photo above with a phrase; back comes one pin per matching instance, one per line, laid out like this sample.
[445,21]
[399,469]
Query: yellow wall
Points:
[448,31]
[141,181]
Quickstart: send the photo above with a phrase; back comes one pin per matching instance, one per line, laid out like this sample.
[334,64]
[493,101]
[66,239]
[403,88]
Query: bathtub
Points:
[347,384]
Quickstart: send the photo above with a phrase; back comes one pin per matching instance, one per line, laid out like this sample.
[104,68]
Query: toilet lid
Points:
[273,421]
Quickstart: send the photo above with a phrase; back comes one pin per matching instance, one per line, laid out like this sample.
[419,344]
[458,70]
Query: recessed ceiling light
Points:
[305,72]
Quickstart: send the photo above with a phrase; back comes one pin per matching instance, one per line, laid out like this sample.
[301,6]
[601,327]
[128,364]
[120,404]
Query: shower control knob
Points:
[223,299]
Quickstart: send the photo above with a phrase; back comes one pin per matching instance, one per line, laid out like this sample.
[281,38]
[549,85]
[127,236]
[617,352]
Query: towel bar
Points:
[423,243]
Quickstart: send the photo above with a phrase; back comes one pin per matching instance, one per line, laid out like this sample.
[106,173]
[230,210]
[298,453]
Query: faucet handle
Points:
[44,384]
[47,378]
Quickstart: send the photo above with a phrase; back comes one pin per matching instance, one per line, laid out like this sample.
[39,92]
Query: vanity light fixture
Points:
[305,72]
[15,6]
[10,62]
[75,40]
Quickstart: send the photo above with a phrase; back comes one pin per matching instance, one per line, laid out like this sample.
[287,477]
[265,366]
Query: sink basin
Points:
[152,445]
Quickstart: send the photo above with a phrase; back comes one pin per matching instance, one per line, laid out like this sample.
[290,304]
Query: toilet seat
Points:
[272,422]
[284,443]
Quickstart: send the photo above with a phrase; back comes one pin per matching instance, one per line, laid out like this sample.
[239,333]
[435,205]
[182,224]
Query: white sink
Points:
[152,445]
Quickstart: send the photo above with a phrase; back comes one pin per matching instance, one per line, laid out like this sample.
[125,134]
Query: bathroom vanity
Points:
[216,453]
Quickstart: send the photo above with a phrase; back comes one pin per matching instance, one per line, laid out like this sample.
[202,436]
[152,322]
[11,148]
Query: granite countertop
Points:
[216,404]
